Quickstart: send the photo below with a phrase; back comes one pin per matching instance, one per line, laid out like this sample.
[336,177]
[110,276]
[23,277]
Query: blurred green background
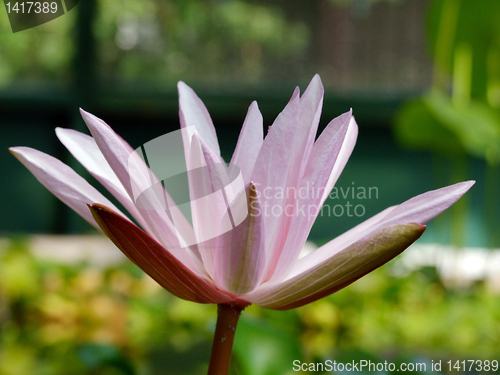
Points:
[423,79]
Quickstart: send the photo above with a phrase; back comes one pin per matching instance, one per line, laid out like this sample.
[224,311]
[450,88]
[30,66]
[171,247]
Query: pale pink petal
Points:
[240,266]
[271,174]
[135,177]
[424,207]
[62,181]
[208,207]
[85,150]
[249,142]
[308,196]
[192,112]
[311,104]
[114,149]
[419,209]
[295,130]
[344,155]
[156,261]
[340,270]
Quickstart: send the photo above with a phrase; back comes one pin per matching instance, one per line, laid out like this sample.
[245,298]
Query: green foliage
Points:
[99,356]
[41,53]
[434,122]
[81,319]
[164,40]
[269,340]
[57,319]
[453,24]
[368,2]
[199,40]
[461,113]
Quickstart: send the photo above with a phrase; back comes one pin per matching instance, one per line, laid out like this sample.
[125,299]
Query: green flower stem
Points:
[227,319]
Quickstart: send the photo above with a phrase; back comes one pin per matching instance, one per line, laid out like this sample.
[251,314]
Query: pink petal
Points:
[62,181]
[424,207]
[85,150]
[241,263]
[136,176]
[208,207]
[114,149]
[290,142]
[249,142]
[419,209]
[343,157]
[308,196]
[340,270]
[271,174]
[311,104]
[157,262]
[192,112]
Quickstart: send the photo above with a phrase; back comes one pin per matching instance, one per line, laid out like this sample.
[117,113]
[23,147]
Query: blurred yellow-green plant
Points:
[82,319]
[460,115]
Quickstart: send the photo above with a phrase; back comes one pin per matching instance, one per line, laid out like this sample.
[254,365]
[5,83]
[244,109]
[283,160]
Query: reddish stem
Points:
[227,319]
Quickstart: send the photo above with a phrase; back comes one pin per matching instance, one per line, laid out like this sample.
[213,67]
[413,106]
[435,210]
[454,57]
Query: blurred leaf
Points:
[416,127]
[168,360]
[434,123]
[262,348]
[476,124]
[18,275]
[477,26]
[97,356]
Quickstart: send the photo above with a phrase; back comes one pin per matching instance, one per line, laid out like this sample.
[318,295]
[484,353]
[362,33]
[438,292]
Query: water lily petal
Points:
[271,173]
[343,157]
[419,209]
[85,150]
[241,262]
[155,260]
[311,104]
[114,149]
[308,196]
[192,112]
[340,270]
[290,139]
[424,207]
[62,181]
[249,142]
[208,205]
[135,176]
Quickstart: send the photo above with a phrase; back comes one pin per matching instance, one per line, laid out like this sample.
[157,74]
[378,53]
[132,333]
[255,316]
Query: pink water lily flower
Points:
[256,262]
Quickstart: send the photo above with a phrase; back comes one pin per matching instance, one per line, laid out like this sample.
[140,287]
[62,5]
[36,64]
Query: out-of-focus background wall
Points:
[122,59]
[423,80]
